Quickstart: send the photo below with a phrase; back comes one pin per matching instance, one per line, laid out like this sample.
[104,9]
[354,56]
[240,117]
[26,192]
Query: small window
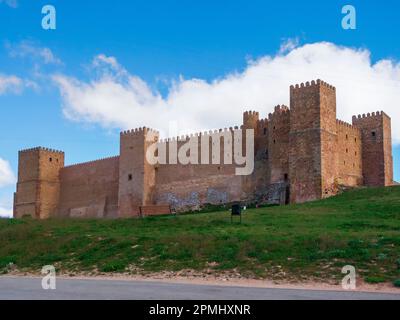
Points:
[274,141]
[347,137]
[129,177]
[373,133]
[265,131]
[50,159]
[274,127]
[355,139]
[355,153]
[286,177]
[347,150]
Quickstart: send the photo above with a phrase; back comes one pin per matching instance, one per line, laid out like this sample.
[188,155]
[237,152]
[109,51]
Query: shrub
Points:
[374,279]
[113,266]
[396,283]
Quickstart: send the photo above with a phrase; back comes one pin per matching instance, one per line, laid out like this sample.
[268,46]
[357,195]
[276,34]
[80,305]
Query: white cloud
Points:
[10,84]
[101,59]
[116,98]
[10,3]
[7,176]
[289,45]
[30,49]
[15,85]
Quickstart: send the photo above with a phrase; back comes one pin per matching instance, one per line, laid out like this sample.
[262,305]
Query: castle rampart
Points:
[301,153]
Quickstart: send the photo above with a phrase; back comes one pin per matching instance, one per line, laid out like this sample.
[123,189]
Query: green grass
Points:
[313,240]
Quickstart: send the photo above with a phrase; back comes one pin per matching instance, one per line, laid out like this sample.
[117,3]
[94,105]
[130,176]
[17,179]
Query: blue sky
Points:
[156,55]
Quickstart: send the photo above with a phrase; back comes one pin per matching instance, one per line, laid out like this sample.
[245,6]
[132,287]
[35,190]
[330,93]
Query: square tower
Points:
[376,135]
[313,159]
[137,177]
[38,186]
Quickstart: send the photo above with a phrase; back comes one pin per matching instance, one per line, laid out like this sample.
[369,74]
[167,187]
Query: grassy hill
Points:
[313,240]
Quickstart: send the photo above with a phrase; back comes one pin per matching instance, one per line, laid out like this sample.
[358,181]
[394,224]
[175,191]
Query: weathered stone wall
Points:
[302,154]
[153,210]
[305,161]
[201,188]
[350,154]
[136,176]
[191,185]
[279,128]
[38,184]
[387,149]
[27,186]
[376,148]
[90,190]
[329,151]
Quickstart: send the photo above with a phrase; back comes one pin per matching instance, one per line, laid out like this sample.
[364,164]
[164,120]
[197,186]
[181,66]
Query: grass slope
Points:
[313,240]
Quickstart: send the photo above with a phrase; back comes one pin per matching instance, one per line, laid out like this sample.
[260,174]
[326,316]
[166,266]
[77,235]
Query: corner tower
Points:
[376,139]
[313,157]
[136,175]
[38,186]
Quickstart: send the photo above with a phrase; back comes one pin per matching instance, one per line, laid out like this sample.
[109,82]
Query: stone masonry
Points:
[301,153]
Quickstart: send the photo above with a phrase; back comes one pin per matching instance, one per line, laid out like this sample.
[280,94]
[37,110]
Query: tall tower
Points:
[278,146]
[376,139]
[136,176]
[250,120]
[313,157]
[38,186]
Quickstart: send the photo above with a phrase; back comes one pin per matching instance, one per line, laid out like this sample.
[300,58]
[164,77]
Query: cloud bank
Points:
[116,98]
[30,49]
[10,83]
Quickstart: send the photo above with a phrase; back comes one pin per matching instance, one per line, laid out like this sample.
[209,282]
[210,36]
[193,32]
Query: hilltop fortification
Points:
[301,153]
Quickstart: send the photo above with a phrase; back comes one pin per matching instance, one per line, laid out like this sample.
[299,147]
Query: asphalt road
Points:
[72,289]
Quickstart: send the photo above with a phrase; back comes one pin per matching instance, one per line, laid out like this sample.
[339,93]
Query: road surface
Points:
[23,288]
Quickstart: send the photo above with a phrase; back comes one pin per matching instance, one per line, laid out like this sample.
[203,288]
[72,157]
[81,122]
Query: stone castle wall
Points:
[301,153]
[349,148]
[89,189]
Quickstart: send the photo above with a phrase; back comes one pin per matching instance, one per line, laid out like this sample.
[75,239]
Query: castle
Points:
[301,153]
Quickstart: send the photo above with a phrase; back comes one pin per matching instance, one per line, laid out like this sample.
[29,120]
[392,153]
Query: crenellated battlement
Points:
[279,111]
[317,83]
[262,123]
[41,149]
[281,108]
[250,119]
[210,133]
[377,114]
[90,163]
[139,131]
[251,113]
[346,125]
